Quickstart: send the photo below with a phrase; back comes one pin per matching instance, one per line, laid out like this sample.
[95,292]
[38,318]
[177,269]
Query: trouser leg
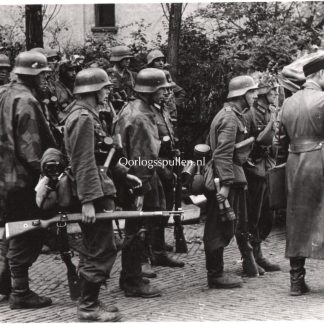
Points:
[217,235]
[132,251]
[98,251]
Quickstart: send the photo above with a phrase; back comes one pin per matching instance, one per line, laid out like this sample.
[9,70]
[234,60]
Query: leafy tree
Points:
[224,40]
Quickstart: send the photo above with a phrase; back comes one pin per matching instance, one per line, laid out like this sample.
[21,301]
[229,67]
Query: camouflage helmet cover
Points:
[266,82]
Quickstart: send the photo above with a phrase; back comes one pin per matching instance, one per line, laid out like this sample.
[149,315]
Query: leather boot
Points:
[22,297]
[298,286]
[136,287]
[225,281]
[215,266]
[250,267]
[5,276]
[122,279]
[90,309]
[163,260]
[262,261]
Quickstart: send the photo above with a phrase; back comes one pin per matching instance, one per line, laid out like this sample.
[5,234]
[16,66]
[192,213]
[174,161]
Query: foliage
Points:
[12,36]
[97,48]
[223,40]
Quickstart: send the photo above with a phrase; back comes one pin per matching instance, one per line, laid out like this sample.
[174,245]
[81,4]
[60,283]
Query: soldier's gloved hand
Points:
[133,181]
[88,213]
[222,195]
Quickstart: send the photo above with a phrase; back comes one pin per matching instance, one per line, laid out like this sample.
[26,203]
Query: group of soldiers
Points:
[83,112]
[36,107]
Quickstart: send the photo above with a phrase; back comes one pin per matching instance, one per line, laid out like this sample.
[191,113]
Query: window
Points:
[104,18]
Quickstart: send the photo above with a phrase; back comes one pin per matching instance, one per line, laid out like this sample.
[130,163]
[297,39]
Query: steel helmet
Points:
[267,82]
[150,80]
[4,61]
[30,63]
[153,55]
[119,53]
[38,50]
[90,80]
[240,85]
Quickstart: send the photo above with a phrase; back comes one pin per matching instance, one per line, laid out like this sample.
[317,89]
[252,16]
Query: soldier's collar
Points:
[311,84]
[92,109]
[237,109]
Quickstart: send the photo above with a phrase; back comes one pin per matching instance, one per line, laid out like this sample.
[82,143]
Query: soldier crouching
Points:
[84,135]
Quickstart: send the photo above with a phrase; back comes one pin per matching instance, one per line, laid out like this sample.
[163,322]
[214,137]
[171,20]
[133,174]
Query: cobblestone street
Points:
[186,296]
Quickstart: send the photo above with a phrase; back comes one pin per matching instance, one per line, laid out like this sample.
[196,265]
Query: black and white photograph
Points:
[161,161]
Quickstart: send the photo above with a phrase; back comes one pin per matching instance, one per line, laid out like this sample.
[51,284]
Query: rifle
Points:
[244,238]
[181,244]
[13,229]
[66,256]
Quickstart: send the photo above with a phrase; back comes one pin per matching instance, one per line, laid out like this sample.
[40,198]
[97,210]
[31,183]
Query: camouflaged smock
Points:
[24,136]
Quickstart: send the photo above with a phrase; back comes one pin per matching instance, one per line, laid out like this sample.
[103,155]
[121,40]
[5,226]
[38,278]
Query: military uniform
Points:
[138,127]
[25,135]
[64,95]
[83,134]
[227,128]
[176,99]
[123,85]
[261,217]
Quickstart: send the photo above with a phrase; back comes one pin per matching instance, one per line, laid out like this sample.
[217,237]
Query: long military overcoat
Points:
[303,130]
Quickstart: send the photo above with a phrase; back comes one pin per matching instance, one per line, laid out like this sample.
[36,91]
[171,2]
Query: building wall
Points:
[76,21]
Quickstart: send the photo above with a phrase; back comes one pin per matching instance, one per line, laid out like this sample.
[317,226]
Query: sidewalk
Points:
[186,296]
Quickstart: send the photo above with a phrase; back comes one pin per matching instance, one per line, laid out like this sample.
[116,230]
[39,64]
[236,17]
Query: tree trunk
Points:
[174,36]
[34,26]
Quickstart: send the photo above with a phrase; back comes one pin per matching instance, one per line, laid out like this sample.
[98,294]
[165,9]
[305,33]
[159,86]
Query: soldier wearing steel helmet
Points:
[122,78]
[64,84]
[261,118]
[5,68]
[85,137]
[143,123]
[228,127]
[25,136]
[156,59]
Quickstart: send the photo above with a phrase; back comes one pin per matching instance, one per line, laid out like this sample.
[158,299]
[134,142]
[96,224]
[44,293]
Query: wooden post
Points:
[174,36]
[34,26]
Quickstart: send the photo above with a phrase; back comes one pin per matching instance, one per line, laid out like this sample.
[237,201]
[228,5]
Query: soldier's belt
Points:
[306,145]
